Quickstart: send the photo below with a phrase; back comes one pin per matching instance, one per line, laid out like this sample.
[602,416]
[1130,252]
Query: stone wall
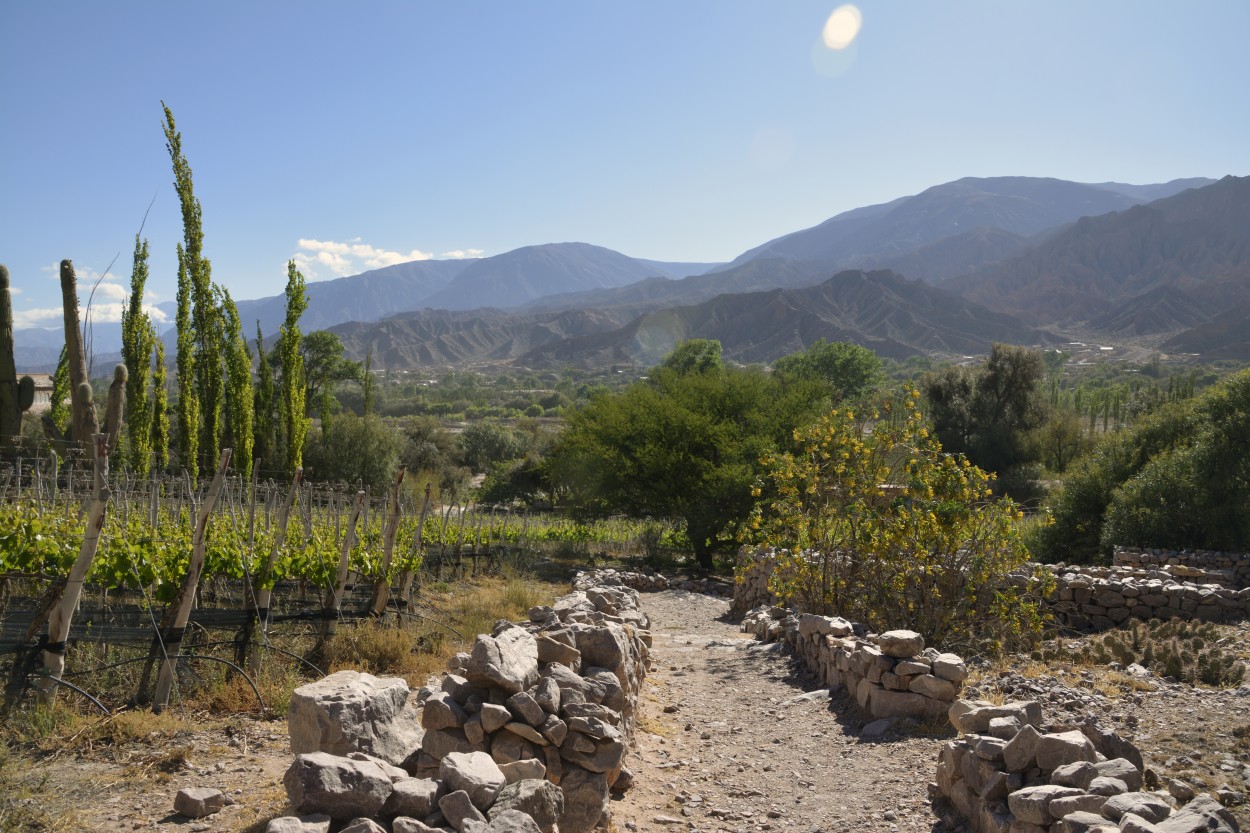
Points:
[533,723]
[890,674]
[1098,598]
[1231,569]
[751,575]
[1012,773]
[650,581]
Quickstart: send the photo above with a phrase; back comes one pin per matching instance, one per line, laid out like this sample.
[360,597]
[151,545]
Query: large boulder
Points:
[318,782]
[585,800]
[542,801]
[900,644]
[508,660]
[416,797]
[350,711]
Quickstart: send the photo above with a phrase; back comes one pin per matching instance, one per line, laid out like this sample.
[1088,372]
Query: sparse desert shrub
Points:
[1186,651]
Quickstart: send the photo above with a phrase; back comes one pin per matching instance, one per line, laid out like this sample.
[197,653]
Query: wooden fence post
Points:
[410,571]
[382,586]
[63,614]
[334,599]
[185,600]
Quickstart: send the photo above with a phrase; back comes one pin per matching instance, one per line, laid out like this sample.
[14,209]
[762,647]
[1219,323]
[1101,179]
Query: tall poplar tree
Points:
[188,400]
[138,340]
[205,317]
[239,394]
[295,420]
[263,430]
[160,410]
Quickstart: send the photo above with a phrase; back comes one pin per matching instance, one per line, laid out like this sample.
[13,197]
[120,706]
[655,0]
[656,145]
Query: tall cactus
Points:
[16,396]
[84,423]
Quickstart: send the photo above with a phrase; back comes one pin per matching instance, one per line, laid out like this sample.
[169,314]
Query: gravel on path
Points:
[735,736]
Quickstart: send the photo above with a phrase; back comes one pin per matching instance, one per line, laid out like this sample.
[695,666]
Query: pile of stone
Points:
[891,674]
[527,732]
[649,582]
[1010,773]
[1231,569]
[753,570]
[1099,598]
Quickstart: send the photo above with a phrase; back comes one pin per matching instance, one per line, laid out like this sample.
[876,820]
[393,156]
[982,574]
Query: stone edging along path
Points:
[545,720]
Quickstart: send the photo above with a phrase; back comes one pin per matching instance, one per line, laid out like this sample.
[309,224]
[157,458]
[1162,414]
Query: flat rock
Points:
[311,823]
[1059,748]
[1032,804]
[522,770]
[1147,805]
[901,643]
[198,802]
[363,825]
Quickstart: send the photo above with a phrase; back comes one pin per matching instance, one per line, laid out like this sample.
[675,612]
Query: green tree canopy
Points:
[359,449]
[1180,477]
[685,442]
[849,371]
[989,413]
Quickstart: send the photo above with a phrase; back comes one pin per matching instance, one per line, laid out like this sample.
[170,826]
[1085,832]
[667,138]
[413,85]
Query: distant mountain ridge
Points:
[1149,269]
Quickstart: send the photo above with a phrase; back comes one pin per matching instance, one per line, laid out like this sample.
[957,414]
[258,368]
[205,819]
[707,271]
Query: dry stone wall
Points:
[1098,598]
[890,674]
[1010,772]
[526,733]
[1231,569]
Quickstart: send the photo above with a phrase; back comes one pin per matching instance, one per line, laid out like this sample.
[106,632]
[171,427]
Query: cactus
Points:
[84,424]
[16,396]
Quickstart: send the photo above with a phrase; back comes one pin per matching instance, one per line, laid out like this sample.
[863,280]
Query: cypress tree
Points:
[188,401]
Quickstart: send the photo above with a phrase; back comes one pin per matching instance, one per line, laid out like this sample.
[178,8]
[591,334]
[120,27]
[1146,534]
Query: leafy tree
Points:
[367,383]
[1061,439]
[486,442]
[240,398]
[291,360]
[988,413]
[431,450]
[850,371]
[697,355]
[883,527]
[1178,478]
[324,364]
[525,480]
[360,449]
[685,442]
[138,341]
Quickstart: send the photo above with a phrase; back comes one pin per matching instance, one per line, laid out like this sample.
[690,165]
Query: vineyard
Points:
[114,583]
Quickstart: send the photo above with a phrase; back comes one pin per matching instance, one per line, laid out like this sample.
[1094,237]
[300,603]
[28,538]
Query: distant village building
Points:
[43,391]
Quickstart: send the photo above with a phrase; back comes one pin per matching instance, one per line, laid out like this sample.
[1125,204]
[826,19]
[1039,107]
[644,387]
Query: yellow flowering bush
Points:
[878,525]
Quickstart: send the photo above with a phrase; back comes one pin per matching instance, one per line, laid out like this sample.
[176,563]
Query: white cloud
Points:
[15,290]
[38,317]
[331,258]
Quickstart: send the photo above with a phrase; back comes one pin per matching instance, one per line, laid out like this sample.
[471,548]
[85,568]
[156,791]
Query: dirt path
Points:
[728,741]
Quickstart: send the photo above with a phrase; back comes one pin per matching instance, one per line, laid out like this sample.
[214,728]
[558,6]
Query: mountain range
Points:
[947,271]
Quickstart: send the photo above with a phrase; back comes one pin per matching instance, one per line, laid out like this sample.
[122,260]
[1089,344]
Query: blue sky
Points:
[356,135]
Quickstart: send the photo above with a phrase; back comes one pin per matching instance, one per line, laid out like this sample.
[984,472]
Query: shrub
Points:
[882,527]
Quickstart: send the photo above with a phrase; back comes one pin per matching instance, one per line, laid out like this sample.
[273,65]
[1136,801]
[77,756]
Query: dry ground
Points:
[727,742]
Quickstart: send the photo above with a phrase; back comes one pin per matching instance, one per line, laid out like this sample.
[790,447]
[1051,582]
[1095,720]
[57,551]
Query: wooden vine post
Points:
[414,554]
[334,599]
[63,613]
[382,586]
[264,577]
[185,600]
